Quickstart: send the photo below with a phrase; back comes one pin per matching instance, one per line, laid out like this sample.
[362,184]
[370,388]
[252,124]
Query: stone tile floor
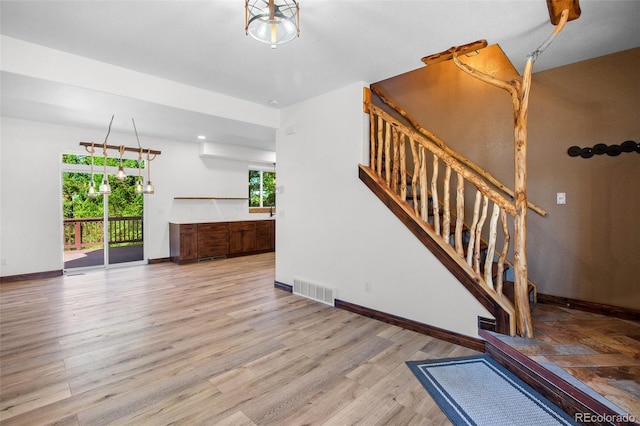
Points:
[601,352]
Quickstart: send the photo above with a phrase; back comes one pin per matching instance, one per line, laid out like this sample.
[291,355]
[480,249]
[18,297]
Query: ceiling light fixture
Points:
[139,187]
[272,22]
[91,192]
[105,187]
[148,188]
[121,174]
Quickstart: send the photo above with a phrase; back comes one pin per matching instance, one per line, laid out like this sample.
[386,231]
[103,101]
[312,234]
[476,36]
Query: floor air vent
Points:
[314,291]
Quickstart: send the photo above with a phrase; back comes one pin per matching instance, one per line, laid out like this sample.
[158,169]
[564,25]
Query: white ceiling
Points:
[202,44]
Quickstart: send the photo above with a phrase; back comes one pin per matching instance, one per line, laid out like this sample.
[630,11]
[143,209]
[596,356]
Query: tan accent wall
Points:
[588,249]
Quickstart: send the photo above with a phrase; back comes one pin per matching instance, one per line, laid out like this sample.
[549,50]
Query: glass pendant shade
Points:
[272,22]
[139,187]
[92,184]
[148,188]
[105,188]
[120,174]
[92,189]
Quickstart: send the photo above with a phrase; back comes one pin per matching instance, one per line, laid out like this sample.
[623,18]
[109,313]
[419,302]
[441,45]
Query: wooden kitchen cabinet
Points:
[183,242]
[242,237]
[266,235]
[193,242]
[213,240]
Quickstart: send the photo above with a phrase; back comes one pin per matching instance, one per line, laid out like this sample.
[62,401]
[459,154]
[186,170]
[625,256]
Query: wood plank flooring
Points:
[212,343]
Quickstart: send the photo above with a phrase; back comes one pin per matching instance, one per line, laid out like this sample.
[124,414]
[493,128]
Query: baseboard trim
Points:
[283,286]
[438,333]
[562,393]
[593,307]
[429,330]
[159,260]
[31,276]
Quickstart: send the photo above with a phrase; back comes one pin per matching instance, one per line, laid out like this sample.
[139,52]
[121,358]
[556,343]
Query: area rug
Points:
[479,391]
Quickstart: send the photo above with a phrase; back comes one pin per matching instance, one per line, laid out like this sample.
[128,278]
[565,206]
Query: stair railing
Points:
[398,151]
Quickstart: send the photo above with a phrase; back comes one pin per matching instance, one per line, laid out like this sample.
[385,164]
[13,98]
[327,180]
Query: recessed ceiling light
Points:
[202,137]
[273,102]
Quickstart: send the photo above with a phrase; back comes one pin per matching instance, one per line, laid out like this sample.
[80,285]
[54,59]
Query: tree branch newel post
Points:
[524,324]
[520,99]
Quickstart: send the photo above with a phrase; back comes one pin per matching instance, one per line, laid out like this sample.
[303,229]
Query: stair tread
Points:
[508,289]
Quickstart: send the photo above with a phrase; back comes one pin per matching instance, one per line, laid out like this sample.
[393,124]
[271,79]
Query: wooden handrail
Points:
[389,162]
[440,143]
[390,135]
[455,164]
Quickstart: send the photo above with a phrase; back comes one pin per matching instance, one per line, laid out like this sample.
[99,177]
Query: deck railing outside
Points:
[84,233]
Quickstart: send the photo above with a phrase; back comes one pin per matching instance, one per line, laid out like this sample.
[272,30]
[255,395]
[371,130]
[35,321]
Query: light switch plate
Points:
[561,198]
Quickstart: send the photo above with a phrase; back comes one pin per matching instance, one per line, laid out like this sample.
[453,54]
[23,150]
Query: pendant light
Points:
[105,188]
[139,187]
[148,188]
[92,185]
[120,174]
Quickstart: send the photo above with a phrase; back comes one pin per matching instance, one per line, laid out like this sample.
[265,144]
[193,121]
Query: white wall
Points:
[333,231]
[30,183]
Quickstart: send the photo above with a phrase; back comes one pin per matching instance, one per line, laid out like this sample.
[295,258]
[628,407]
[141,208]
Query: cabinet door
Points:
[188,242]
[183,242]
[213,239]
[242,237]
[265,235]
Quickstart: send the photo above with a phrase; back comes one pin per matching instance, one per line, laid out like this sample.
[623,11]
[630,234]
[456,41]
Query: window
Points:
[262,190]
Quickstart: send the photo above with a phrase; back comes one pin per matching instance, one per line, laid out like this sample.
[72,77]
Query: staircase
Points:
[411,173]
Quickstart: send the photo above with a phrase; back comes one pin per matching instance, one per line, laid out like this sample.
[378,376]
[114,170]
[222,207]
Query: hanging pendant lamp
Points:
[148,188]
[120,174]
[139,186]
[91,192]
[105,188]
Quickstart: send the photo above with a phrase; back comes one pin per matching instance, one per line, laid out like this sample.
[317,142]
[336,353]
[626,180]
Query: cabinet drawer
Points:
[242,226]
[188,229]
[213,239]
[213,245]
[213,227]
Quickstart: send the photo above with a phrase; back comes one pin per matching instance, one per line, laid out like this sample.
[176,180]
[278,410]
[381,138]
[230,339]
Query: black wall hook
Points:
[600,149]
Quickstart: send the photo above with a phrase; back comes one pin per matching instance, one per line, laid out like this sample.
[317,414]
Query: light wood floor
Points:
[211,343]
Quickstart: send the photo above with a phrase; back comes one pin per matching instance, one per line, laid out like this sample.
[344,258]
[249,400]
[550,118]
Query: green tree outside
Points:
[266,197]
[122,202]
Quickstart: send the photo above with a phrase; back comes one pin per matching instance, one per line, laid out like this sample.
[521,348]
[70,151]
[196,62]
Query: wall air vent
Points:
[314,291]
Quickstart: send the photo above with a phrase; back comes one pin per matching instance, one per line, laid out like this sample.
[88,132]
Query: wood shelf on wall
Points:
[210,198]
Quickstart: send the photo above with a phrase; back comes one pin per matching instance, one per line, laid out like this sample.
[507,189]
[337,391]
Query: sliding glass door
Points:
[100,230]
[124,231]
[83,222]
